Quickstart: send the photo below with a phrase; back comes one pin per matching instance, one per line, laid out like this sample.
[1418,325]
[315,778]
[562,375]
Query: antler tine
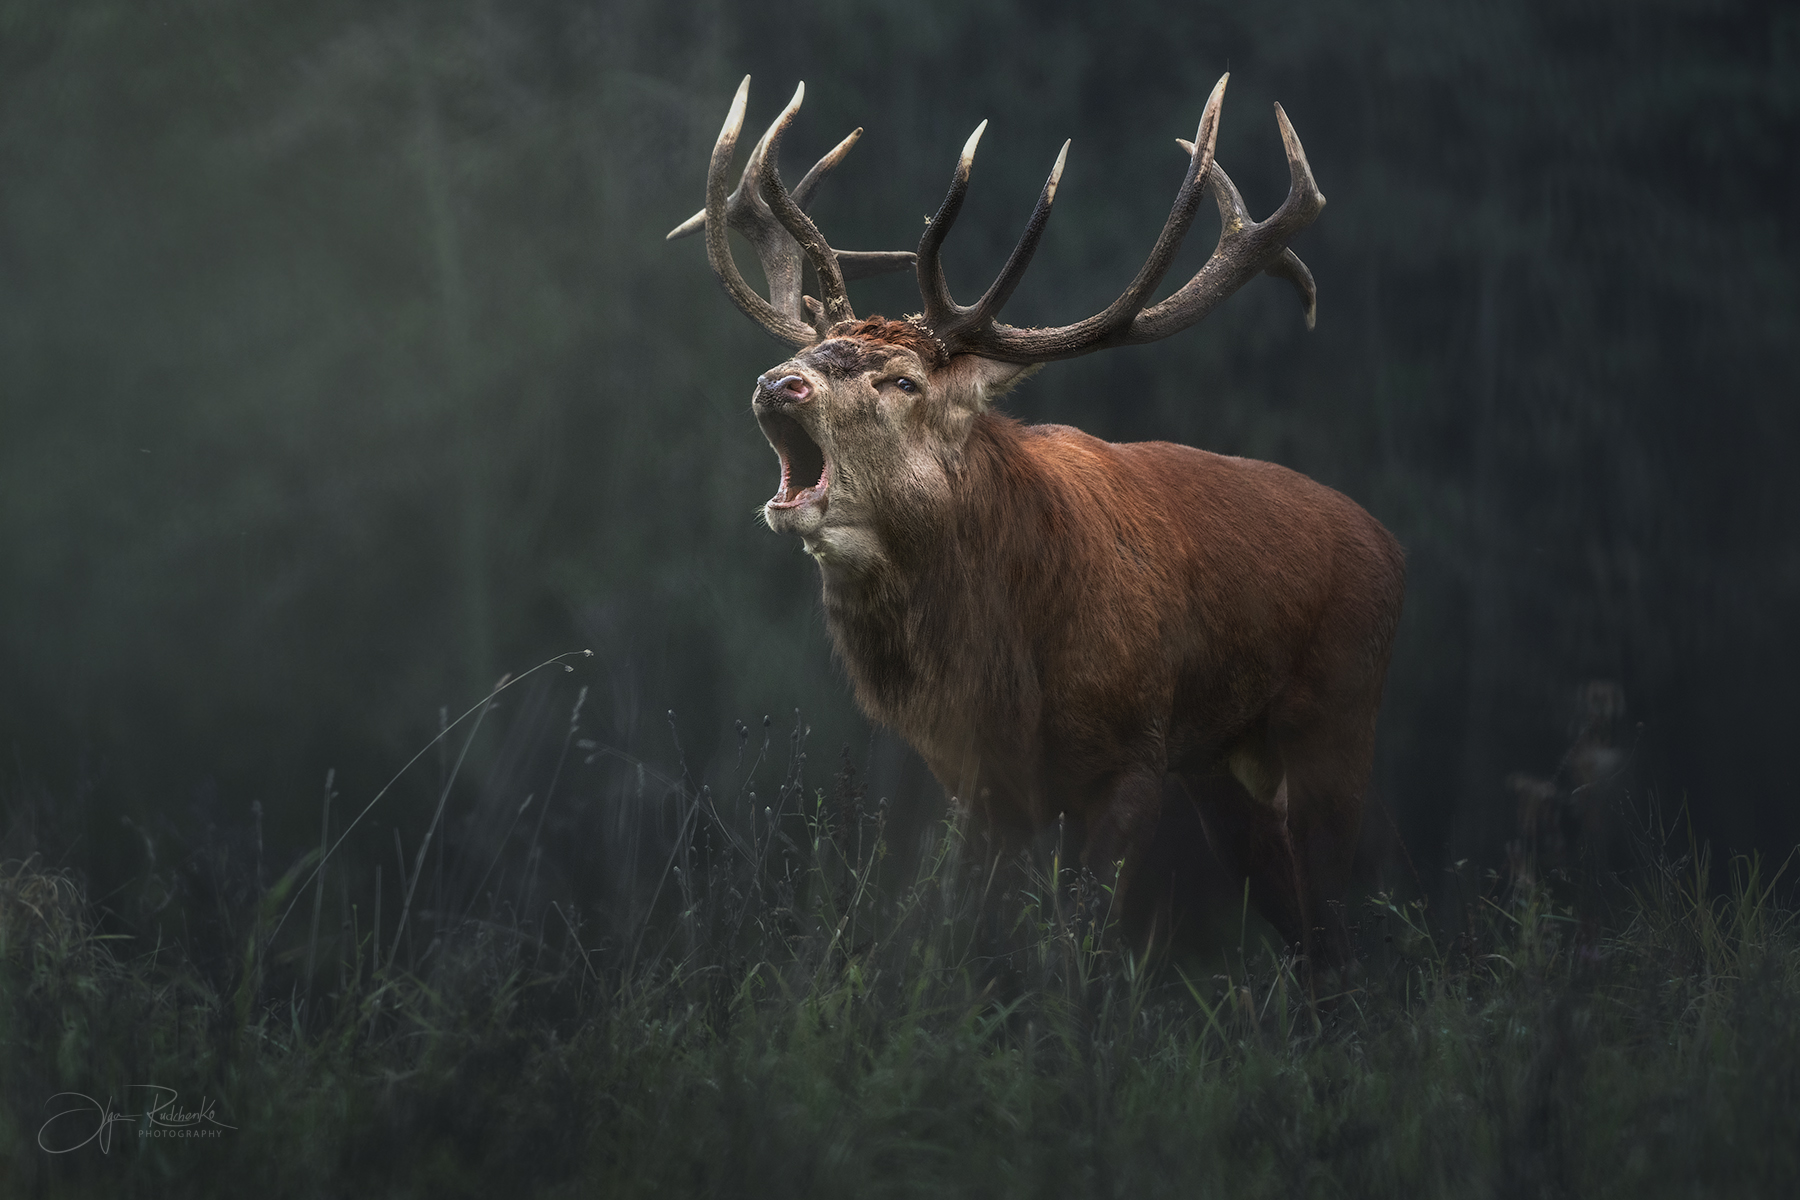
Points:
[1232,209]
[1001,290]
[1290,268]
[809,183]
[745,194]
[940,309]
[687,228]
[742,197]
[779,254]
[780,325]
[1245,248]
[836,299]
[1304,201]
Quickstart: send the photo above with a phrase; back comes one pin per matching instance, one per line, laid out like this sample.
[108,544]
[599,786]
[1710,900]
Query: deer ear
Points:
[985,379]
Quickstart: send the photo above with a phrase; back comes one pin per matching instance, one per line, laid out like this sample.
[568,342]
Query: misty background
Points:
[344,368]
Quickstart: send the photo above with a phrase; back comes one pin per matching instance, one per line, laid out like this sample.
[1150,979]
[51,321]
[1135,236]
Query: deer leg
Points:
[1327,771]
[1250,837]
[1116,836]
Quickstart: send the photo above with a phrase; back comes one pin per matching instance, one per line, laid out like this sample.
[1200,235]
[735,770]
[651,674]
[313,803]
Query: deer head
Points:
[869,417]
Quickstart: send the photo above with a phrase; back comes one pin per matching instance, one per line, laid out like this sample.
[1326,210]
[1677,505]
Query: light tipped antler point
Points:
[692,225]
[967,160]
[803,192]
[770,146]
[1208,133]
[793,106]
[734,117]
[1289,139]
[1056,171]
[1301,183]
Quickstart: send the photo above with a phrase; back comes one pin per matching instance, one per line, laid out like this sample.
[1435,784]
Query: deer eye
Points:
[906,385]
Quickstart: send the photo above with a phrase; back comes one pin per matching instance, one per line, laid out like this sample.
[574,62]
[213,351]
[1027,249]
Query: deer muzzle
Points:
[789,389]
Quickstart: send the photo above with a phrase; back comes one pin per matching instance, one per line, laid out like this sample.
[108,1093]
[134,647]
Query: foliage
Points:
[786,1011]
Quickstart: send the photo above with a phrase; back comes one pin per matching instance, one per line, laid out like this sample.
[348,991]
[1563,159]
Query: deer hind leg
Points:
[1326,771]
[1241,803]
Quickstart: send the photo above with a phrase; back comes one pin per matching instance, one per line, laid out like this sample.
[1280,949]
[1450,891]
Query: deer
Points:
[1060,625]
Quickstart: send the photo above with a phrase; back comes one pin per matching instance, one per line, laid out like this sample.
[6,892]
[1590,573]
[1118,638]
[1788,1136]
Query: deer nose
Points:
[789,389]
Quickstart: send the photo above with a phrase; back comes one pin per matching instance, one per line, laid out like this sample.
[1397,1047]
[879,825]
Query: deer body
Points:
[1057,623]
[1092,628]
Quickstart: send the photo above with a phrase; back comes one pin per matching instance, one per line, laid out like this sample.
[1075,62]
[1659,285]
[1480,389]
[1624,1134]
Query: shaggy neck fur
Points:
[931,637]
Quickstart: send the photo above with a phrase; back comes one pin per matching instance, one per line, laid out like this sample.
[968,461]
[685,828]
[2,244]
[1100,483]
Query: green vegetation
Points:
[783,1008]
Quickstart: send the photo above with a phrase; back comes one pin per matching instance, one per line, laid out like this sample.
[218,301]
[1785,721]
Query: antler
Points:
[1245,248]
[776,225]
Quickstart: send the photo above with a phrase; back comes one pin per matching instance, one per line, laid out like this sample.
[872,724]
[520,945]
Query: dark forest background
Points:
[343,368]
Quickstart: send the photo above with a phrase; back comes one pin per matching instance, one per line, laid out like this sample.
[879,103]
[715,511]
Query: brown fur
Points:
[908,334]
[1056,623]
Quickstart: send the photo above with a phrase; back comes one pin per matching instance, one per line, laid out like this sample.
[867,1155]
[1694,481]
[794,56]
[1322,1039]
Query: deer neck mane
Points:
[929,621]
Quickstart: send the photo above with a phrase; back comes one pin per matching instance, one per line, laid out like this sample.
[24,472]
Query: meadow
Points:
[776,996]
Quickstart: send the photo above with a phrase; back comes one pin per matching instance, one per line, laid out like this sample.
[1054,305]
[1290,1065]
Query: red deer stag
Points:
[1054,622]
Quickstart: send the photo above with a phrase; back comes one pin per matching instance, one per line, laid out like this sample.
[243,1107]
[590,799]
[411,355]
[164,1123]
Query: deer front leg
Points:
[1119,830]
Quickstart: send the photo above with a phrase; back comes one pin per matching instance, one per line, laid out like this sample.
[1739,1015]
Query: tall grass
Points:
[771,995]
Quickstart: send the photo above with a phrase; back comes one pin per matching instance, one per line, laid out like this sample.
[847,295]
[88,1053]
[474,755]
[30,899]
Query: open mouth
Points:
[804,476]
